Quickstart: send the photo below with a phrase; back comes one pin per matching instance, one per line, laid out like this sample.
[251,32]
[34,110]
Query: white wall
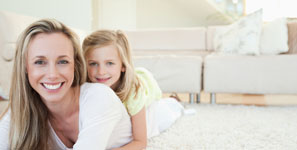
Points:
[75,13]
[131,14]
[177,13]
[119,14]
[163,14]
[116,14]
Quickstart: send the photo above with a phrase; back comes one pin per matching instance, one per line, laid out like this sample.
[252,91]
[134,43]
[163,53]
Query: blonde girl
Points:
[51,107]
[109,61]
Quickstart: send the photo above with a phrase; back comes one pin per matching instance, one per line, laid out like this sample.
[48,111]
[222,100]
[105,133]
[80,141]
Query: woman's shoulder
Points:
[96,100]
[87,86]
[94,88]
[97,92]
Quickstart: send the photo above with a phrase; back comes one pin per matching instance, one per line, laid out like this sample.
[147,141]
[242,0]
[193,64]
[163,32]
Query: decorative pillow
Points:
[241,37]
[292,37]
[274,37]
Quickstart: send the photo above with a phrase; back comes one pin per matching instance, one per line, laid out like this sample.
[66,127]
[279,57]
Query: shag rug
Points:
[231,127]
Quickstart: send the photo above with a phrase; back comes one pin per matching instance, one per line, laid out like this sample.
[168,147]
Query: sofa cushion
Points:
[241,37]
[292,37]
[167,39]
[274,37]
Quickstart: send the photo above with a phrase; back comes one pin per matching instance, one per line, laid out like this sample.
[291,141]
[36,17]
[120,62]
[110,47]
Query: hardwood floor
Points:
[244,99]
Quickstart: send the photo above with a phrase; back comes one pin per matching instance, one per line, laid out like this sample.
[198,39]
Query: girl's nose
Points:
[101,70]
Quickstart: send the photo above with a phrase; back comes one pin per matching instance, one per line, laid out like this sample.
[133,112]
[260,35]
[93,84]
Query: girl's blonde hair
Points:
[29,127]
[128,80]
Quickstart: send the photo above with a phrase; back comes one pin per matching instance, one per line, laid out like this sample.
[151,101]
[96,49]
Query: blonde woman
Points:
[50,105]
[109,61]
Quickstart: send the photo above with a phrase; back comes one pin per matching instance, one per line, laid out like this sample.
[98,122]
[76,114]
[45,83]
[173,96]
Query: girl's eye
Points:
[93,64]
[63,62]
[39,62]
[110,63]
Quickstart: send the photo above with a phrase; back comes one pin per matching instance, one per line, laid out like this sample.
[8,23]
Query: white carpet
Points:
[231,127]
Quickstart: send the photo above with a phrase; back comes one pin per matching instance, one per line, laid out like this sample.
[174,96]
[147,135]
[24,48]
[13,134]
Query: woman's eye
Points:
[93,64]
[39,62]
[63,62]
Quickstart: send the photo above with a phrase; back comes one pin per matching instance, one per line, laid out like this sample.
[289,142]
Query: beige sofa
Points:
[220,73]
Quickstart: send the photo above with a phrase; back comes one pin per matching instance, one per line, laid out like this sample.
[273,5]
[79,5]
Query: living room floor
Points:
[245,99]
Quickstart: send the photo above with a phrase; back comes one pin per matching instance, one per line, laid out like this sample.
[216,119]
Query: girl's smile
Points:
[102,80]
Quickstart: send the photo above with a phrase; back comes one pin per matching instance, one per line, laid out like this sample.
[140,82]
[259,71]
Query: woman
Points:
[50,105]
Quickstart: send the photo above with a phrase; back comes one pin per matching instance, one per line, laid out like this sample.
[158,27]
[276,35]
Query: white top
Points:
[103,121]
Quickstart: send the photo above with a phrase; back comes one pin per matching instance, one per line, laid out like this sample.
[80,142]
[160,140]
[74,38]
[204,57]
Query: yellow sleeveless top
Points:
[148,92]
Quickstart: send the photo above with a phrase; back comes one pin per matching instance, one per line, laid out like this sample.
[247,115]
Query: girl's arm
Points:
[139,132]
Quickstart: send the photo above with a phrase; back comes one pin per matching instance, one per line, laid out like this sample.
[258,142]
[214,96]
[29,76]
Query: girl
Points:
[50,105]
[109,61]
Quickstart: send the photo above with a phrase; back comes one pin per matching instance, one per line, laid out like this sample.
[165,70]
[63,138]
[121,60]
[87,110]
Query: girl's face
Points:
[50,66]
[105,66]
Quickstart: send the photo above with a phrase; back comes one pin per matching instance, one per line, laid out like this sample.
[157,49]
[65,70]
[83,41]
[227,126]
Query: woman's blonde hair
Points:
[29,127]
[128,80]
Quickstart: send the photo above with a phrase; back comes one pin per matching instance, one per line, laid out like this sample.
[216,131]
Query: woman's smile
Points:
[52,86]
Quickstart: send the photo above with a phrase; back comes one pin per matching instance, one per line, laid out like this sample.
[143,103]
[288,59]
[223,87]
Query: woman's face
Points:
[105,66]
[50,66]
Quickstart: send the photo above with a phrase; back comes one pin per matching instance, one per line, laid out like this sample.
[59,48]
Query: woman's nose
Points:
[53,71]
